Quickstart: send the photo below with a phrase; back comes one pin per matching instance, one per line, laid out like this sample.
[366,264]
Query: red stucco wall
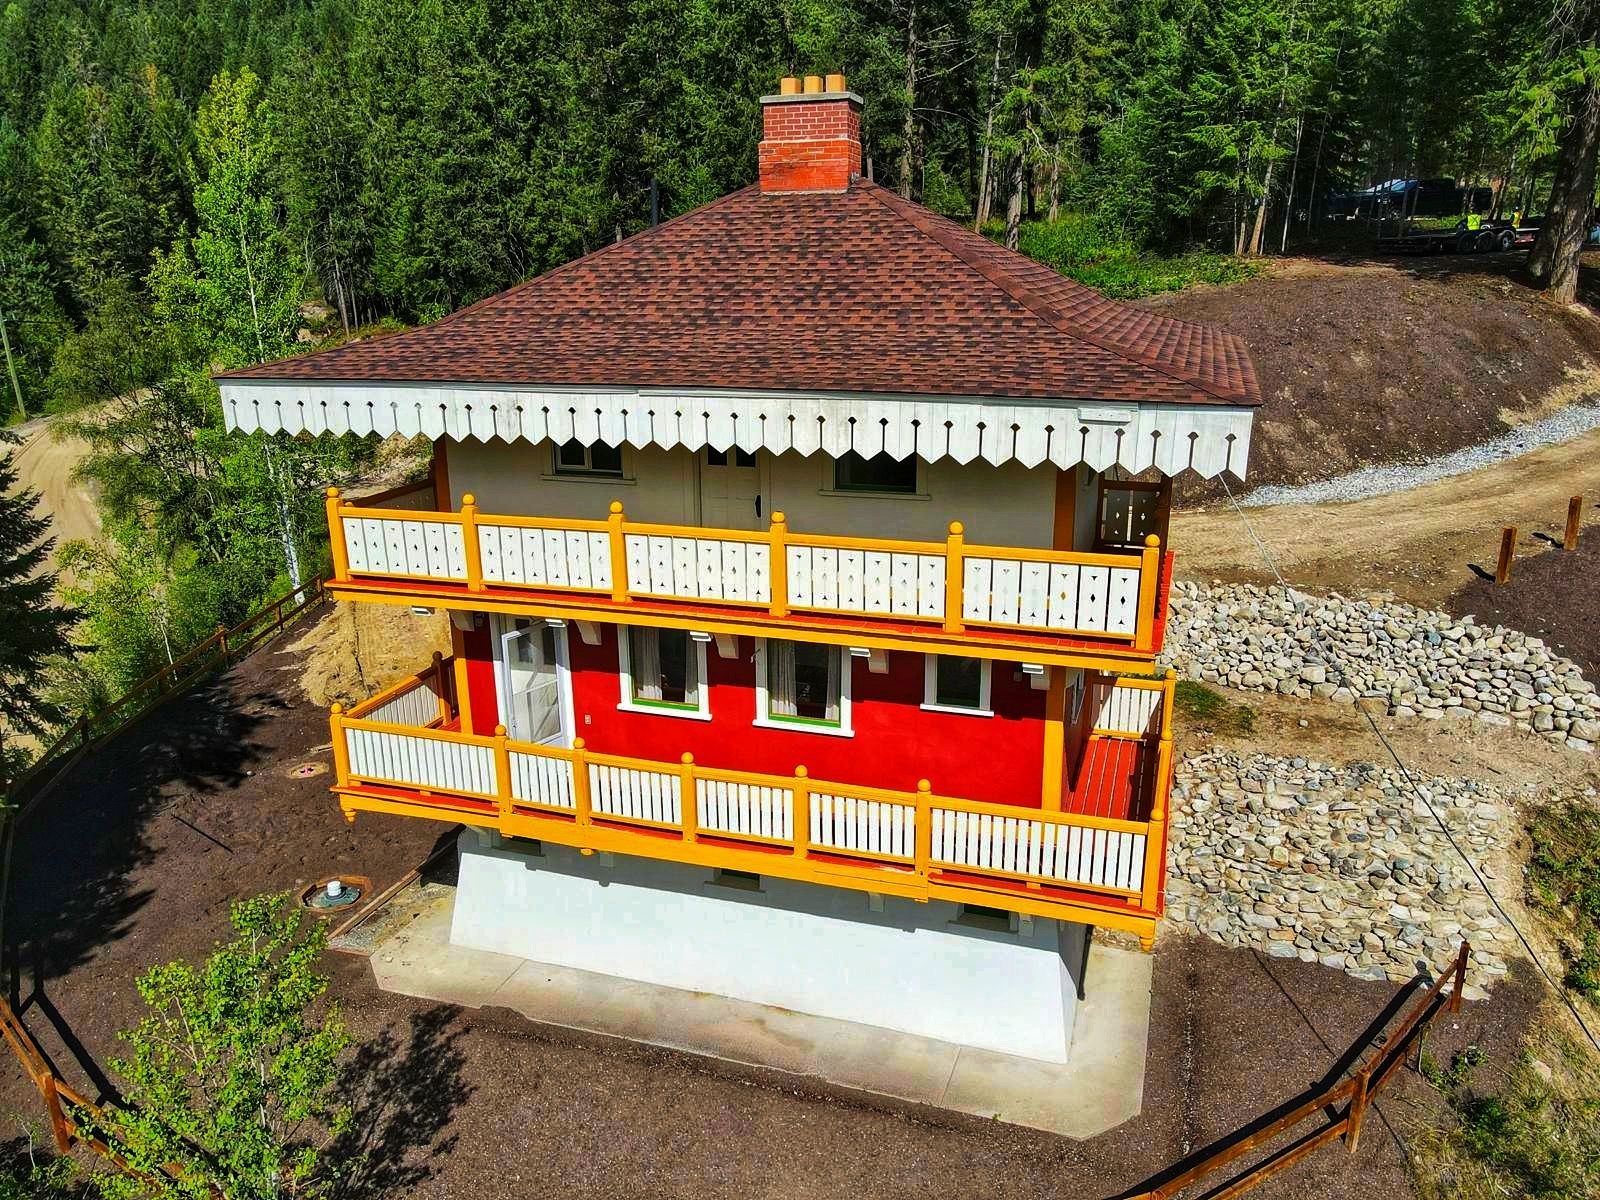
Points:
[996,759]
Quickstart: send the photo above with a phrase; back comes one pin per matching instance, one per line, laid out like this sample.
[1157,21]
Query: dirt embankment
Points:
[1394,360]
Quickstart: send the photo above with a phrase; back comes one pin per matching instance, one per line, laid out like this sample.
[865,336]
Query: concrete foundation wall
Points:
[909,967]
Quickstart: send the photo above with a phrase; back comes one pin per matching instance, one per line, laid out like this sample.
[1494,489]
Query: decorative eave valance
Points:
[1206,438]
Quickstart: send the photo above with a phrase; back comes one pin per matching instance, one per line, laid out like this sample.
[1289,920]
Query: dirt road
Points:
[46,463]
[1419,545]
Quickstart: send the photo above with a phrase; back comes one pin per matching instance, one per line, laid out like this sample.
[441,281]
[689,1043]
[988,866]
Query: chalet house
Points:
[806,561]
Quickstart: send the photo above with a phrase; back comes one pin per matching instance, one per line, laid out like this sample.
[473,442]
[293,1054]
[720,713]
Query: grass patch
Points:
[1532,1130]
[1202,710]
[1564,886]
[1075,246]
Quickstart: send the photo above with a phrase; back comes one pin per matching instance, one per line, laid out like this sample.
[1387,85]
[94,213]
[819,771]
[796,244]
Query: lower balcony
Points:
[1096,855]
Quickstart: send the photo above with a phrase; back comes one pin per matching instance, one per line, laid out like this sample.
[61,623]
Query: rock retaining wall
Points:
[1335,864]
[1416,662]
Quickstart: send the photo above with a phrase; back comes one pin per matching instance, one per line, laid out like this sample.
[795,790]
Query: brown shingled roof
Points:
[855,291]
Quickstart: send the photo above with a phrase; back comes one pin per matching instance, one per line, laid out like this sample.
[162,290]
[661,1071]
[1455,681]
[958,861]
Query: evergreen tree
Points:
[33,627]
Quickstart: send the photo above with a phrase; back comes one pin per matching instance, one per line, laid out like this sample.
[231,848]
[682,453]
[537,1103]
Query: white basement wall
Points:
[798,946]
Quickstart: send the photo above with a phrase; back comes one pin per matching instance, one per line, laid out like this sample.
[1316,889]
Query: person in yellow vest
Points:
[1474,222]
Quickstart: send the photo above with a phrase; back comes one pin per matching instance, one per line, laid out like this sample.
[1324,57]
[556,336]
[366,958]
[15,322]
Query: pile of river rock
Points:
[1340,865]
[1412,661]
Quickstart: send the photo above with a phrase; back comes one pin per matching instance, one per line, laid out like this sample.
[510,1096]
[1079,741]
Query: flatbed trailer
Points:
[1491,236]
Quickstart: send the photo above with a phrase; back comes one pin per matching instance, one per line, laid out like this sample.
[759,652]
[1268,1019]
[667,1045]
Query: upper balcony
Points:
[1053,607]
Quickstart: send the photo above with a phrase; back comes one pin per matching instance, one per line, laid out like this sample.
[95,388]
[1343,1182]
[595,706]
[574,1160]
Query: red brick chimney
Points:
[810,138]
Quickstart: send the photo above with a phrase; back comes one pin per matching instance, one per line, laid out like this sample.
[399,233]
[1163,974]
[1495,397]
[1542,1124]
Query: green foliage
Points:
[31,1178]
[1532,1130]
[230,1083]
[33,627]
[1200,708]
[1564,883]
[1075,246]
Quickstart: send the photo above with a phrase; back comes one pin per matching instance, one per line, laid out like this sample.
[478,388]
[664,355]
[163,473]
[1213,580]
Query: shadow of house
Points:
[405,1097]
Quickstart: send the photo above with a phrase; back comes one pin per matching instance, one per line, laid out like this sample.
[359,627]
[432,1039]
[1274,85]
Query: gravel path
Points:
[1571,422]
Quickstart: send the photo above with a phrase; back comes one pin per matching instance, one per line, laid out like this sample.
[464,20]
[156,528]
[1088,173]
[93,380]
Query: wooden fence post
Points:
[778,565]
[470,549]
[688,810]
[1358,1109]
[1508,551]
[953,572]
[619,553]
[1574,523]
[58,1119]
[1461,976]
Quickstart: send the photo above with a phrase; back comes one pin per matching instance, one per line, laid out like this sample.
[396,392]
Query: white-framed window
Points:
[663,671]
[599,459]
[957,685]
[803,686]
[880,475]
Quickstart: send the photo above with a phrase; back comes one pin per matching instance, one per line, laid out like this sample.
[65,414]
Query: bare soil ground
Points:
[1422,546]
[137,856]
[1555,595]
[45,462]
[360,649]
[1393,360]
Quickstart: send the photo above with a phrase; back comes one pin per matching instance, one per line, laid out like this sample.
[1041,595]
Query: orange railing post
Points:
[341,749]
[1149,586]
[439,689]
[953,572]
[336,546]
[778,565]
[924,818]
[470,548]
[1155,838]
[619,553]
[582,813]
[688,810]
[800,815]
[502,772]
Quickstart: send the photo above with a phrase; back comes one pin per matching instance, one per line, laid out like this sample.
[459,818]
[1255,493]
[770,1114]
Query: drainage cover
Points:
[307,770]
[321,896]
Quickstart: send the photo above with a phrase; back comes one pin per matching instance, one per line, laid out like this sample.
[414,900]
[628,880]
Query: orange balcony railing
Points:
[394,754]
[951,590]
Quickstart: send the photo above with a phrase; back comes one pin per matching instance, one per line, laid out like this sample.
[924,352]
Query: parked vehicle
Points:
[1411,198]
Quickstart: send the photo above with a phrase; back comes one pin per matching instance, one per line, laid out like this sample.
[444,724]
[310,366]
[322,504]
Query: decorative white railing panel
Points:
[1017,845]
[418,705]
[435,763]
[865,826]
[699,568]
[635,794]
[406,546]
[541,779]
[1119,709]
[1042,595]
[865,581]
[565,558]
[751,809]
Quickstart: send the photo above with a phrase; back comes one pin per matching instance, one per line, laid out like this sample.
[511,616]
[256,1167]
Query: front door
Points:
[730,490]
[530,683]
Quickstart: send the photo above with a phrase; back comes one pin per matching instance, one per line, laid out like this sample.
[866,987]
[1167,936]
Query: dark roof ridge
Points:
[1025,295]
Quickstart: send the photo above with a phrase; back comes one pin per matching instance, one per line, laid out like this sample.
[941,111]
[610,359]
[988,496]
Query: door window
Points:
[530,681]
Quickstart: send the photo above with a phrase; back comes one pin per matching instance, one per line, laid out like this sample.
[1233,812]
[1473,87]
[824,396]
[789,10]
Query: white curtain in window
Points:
[835,659]
[644,661]
[780,679]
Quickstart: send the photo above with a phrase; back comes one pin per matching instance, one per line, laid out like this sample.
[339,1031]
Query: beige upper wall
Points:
[1008,505]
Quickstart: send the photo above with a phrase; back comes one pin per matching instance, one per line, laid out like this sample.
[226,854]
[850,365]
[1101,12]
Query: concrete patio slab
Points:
[1100,1087]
